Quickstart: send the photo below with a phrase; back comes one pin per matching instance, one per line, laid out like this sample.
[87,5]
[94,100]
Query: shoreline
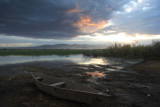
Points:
[135,85]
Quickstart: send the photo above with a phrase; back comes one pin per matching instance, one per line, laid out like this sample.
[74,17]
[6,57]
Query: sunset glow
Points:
[87,25]
[124,38]
[119,38]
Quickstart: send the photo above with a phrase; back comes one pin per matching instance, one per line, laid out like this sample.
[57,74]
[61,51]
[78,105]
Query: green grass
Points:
[29,52]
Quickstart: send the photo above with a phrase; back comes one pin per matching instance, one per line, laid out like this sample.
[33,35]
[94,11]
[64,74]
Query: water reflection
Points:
[96,74]
[111,69]
[94,61]
[79,59]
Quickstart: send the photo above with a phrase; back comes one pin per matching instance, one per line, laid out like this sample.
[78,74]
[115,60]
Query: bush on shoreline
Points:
[128,51]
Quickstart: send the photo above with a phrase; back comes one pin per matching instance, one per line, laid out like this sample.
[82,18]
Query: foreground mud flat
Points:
[136,85]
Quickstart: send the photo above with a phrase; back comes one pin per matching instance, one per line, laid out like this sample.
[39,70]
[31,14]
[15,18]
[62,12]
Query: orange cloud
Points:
[88,26]
[76,10]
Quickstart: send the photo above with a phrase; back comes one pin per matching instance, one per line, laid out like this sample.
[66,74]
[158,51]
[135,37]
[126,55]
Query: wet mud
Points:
[133,85]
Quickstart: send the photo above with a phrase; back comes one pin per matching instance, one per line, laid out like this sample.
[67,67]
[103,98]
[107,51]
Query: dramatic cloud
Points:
[85,24]
[36,22]
[55,18]
[140,17]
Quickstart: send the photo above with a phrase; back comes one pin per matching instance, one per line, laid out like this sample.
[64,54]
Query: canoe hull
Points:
[69,94]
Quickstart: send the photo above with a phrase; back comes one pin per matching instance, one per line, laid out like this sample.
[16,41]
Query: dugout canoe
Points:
[67,89]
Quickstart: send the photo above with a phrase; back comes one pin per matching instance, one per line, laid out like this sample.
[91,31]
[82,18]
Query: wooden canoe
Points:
[67,89]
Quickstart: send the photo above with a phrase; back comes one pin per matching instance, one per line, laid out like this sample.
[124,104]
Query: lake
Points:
[12,65]
[79,59]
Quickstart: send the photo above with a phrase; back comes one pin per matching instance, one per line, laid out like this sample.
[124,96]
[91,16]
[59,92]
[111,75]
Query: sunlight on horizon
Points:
[97,38]
[125,38]
[119,37]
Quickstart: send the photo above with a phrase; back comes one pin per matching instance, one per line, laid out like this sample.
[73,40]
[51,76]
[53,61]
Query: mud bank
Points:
[135,85]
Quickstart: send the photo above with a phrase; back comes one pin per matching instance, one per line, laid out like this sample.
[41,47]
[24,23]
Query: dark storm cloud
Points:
[34,18]
[48,18]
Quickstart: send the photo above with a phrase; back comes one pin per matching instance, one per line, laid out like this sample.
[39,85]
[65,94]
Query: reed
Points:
[128,51]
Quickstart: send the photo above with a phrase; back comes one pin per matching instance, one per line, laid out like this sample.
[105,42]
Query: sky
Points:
[39,22]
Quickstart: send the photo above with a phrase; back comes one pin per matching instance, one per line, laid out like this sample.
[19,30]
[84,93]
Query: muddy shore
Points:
[137,85]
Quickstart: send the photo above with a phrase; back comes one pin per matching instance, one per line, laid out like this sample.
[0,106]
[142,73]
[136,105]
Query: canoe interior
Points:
[68,84]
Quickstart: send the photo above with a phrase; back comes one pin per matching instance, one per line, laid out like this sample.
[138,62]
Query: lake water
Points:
[94,67]
[79,59]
